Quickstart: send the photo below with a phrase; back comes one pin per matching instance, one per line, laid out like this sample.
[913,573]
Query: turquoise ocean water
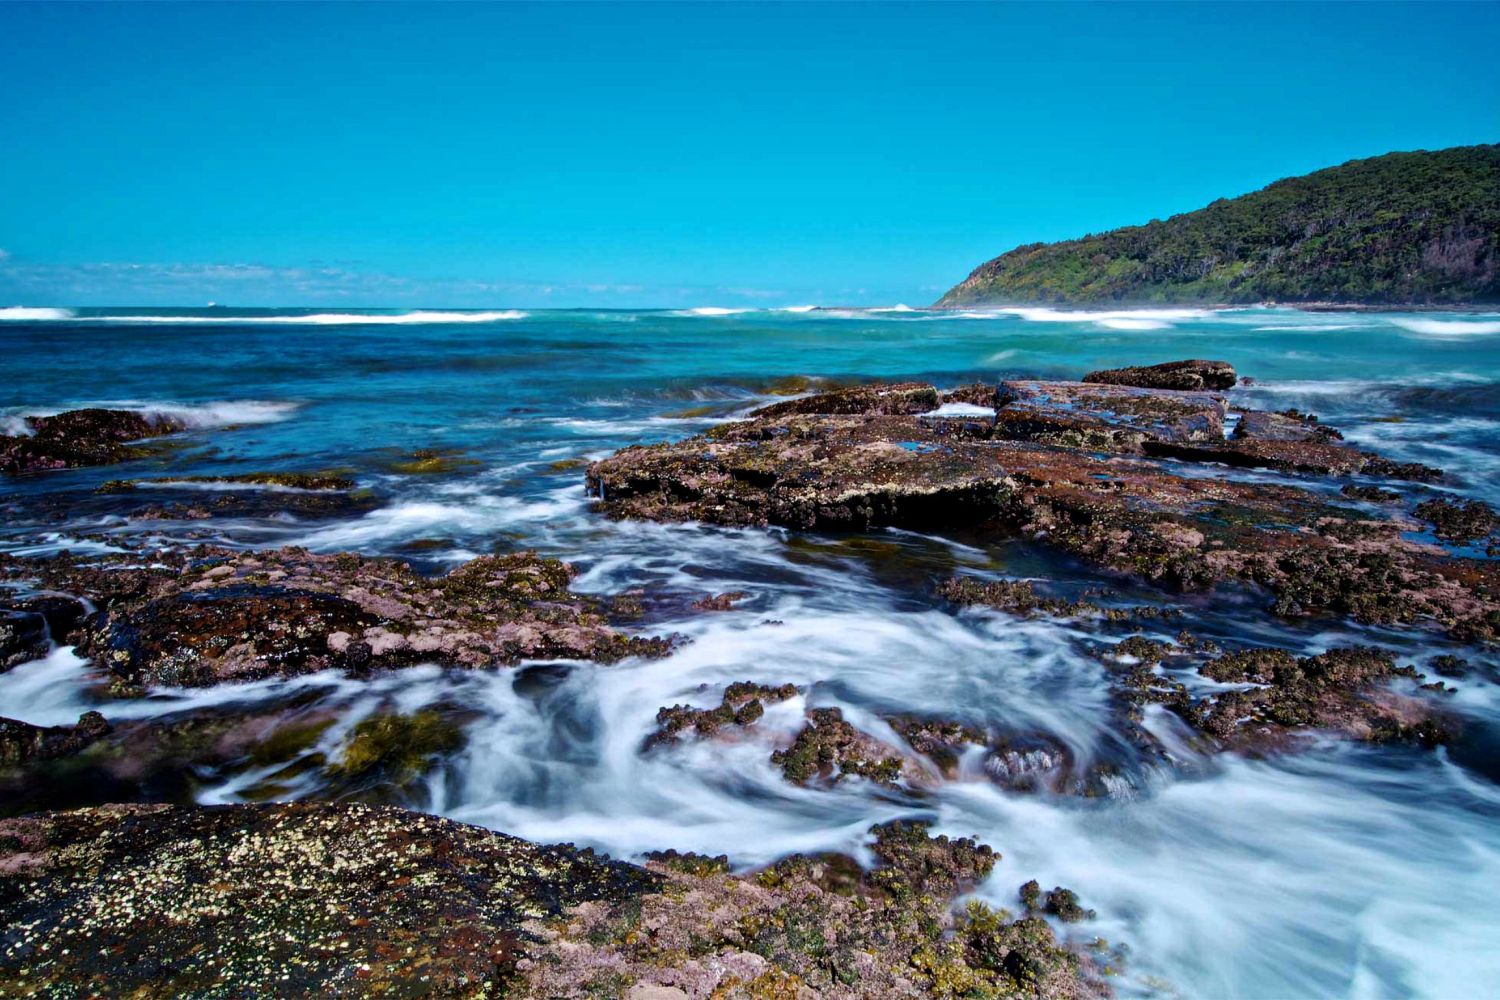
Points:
[1345,871]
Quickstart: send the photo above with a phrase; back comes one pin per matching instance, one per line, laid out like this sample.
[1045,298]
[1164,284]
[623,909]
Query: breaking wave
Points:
[1449,327]
[24,314]
[420,317]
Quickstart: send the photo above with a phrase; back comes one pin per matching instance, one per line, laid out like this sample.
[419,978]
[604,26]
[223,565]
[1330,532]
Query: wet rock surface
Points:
[1276,694]
[1187,375]
[349,899]
[829,749]
[812,927]
[900,398]
[1111,418]
[204,616]
[1120,512]
[278,900]
[78,438]
[742,705]
[21,742]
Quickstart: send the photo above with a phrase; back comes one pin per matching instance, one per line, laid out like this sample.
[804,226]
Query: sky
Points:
[661,155]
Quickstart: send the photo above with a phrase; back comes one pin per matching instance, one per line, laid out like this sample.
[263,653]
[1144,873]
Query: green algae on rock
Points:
[391,750]
[278,900]
[828,749]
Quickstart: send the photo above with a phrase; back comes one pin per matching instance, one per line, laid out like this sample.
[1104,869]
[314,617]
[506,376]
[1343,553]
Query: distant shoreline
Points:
[1319,306]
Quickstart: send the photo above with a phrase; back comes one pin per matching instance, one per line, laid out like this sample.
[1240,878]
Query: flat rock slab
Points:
[1107,417]
[1126,515]
[206,615]
[277,900]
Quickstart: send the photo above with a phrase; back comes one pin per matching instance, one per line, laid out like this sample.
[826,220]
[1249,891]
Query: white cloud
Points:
[345,283]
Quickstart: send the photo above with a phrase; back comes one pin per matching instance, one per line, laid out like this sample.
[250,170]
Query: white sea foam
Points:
[421,317]
[1307,328]
[961,410]
[25,314]
[712,311]
[1448,327]
[1131,323]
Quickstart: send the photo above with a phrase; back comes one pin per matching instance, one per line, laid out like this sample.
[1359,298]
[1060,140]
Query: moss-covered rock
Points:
[742,705]
[828,749]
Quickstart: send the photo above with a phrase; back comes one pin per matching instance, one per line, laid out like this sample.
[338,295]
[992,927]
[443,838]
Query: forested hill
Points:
[1419,228]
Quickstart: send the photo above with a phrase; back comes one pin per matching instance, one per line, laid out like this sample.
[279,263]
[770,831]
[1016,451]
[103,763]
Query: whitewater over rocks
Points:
[845,747]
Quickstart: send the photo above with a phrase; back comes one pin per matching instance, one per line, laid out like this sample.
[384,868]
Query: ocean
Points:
[1343,870]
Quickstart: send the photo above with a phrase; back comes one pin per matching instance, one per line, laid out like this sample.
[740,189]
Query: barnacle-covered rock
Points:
[278,900]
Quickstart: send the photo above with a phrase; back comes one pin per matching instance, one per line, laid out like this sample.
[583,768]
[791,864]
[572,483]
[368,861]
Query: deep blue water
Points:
[1346,871]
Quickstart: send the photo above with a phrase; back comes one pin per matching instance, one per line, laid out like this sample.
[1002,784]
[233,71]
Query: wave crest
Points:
[23,314]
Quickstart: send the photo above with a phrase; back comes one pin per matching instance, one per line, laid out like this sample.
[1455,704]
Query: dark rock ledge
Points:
[1075,465]
[82,437]
[203,616]
[323,899]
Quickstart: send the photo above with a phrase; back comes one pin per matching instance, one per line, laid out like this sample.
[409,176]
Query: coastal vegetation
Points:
[1404,228]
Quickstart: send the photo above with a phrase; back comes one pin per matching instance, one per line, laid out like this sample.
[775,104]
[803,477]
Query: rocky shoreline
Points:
[140,889]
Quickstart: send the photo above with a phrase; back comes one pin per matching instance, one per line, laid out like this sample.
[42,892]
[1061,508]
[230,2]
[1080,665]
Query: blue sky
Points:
[559,154]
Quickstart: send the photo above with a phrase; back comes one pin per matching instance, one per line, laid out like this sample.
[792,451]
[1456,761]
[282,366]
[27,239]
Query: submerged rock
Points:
[210,615]
[392,750]
[81,438]
[284,480]
[1171,375]
[279,900]
[21,742]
